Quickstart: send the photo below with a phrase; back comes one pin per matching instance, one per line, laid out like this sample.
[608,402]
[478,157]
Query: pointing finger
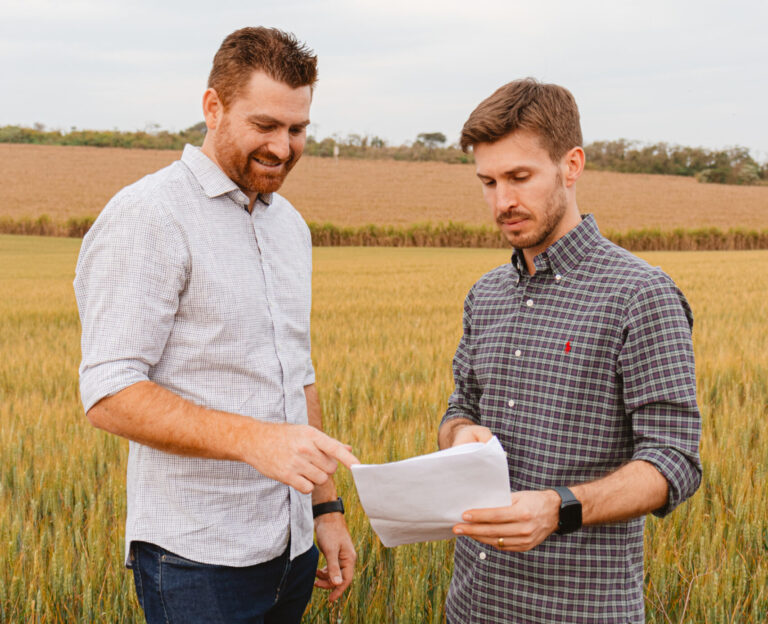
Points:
[336,449]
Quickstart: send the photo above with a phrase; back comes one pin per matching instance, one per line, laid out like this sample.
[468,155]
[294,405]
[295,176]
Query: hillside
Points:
[64,182]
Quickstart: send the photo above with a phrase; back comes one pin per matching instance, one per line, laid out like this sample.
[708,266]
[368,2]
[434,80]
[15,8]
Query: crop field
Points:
[385,325]
[64,182]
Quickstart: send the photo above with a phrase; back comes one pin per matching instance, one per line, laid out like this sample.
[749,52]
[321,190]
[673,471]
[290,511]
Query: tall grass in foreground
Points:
[385,324]
[447,235]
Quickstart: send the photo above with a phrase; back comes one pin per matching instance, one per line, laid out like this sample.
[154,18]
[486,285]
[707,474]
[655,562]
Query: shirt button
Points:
[558,277]
[482,556]
[529,303]
[511,403]
[518,353]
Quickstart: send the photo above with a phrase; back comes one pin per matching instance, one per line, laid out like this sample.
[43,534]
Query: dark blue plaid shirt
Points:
[578,369]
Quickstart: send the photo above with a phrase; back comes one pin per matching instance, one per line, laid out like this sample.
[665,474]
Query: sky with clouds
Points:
[681,71]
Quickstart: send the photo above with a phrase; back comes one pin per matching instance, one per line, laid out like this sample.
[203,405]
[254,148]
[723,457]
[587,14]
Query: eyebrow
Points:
[271,120]
[511,172]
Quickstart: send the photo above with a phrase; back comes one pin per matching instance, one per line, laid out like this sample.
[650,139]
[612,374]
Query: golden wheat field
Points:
[385,324]
[64,182]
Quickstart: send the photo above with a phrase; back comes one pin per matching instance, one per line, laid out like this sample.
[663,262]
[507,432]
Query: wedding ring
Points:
[501,542]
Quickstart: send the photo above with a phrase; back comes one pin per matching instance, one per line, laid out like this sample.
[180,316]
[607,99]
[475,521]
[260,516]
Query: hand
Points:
[297,455]
[531,517]
[472,433]
[335,543]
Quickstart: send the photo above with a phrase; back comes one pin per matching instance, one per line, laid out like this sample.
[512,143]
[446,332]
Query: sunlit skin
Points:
[257,138]
[532,198]
[533,201]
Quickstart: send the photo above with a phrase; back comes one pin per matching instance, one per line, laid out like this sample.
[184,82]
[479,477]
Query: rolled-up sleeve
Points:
[464,401]
[132,266]
[659,386]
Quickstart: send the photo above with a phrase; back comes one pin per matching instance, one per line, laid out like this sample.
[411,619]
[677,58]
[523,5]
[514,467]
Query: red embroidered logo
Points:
[568,347]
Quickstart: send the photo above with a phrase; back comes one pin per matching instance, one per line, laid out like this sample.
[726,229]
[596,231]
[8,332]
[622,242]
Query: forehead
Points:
[264,95]
[518,150]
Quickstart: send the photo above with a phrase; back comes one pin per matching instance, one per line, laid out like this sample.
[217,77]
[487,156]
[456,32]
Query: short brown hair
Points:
[548,110]
[278,54]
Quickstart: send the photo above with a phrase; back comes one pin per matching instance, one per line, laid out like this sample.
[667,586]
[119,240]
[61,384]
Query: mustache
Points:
[268,157]
[510,215]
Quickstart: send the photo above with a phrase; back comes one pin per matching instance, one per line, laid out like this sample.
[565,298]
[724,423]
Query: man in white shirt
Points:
[194,293]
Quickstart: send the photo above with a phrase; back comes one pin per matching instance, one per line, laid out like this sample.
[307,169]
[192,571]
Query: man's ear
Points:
[573,165]
[213,108]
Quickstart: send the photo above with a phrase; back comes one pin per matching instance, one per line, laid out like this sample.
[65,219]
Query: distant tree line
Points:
[733,165]
[151,138]
[728,166]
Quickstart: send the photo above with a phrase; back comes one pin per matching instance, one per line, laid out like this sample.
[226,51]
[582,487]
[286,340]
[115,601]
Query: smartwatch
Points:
[570,511]
[329,507]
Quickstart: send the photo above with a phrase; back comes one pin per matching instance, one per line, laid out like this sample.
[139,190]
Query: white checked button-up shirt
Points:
[178,284]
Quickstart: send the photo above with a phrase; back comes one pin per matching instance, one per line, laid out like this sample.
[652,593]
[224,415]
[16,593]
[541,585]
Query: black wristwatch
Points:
[329,507]
[570,511]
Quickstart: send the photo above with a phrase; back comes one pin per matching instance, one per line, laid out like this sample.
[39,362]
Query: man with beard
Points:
[193,288]
[577,355]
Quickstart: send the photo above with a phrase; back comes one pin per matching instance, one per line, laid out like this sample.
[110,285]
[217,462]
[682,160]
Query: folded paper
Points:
[420,499]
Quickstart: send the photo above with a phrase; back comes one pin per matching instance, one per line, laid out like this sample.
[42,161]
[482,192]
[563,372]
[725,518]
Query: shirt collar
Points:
[213,180]
[566,252]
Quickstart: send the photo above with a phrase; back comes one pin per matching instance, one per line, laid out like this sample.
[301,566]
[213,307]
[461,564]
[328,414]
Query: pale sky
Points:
[685,72]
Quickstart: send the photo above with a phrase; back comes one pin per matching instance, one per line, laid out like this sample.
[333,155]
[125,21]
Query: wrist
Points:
[553,509]
[328,508]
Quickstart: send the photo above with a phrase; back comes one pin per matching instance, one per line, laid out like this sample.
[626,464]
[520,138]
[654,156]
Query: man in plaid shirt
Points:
[577,355]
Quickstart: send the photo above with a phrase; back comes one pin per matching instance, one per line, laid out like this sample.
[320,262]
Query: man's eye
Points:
[296,131]
[488,182]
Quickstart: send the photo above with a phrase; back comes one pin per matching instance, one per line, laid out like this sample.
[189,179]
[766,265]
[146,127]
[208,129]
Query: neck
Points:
[570,220]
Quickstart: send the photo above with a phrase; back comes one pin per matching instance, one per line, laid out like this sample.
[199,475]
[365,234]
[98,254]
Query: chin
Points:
[266,184]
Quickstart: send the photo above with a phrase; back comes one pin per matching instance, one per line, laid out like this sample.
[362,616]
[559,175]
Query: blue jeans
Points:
[174,590]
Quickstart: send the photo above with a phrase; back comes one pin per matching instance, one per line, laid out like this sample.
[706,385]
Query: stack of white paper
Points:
[422,498]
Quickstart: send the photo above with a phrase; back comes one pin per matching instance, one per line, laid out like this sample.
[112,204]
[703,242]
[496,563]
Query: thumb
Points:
[334,571]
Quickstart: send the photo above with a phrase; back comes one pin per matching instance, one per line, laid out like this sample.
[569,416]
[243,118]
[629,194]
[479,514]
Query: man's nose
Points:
[280,145]
[506,198]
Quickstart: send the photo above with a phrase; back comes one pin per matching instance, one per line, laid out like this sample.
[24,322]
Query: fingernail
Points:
[337,580]
[458,531]
[467,516]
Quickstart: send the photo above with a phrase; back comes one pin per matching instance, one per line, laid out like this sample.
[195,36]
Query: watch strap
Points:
[565,494]
[570,511]
[329,507]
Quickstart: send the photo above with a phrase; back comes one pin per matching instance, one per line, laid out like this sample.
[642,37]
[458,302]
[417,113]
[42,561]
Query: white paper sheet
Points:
[420,499]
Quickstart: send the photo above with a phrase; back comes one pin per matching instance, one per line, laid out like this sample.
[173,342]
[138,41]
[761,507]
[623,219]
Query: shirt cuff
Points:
[454,411]
[682,475]
[103,380]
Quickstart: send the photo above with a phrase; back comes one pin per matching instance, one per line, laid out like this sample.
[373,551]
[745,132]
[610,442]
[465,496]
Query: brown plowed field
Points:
[64,182]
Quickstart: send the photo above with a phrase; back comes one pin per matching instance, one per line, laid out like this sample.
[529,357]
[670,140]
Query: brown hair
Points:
[548,110]
[278,54]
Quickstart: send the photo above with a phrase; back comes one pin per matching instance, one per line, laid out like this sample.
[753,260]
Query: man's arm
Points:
[332,534]
[635,489]
[298,455]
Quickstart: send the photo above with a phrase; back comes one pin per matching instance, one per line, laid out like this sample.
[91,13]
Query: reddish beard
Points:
[241,169]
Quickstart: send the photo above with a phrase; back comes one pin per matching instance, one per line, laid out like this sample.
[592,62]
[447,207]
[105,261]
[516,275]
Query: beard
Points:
[548,221]
[241,168]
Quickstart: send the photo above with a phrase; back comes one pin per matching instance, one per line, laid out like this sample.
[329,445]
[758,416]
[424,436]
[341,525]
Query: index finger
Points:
[337,450]
[492,515]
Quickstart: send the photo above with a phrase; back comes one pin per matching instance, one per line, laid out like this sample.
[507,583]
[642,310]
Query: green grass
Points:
[385,324]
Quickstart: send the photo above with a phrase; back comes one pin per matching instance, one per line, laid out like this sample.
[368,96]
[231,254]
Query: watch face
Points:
[570,517]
